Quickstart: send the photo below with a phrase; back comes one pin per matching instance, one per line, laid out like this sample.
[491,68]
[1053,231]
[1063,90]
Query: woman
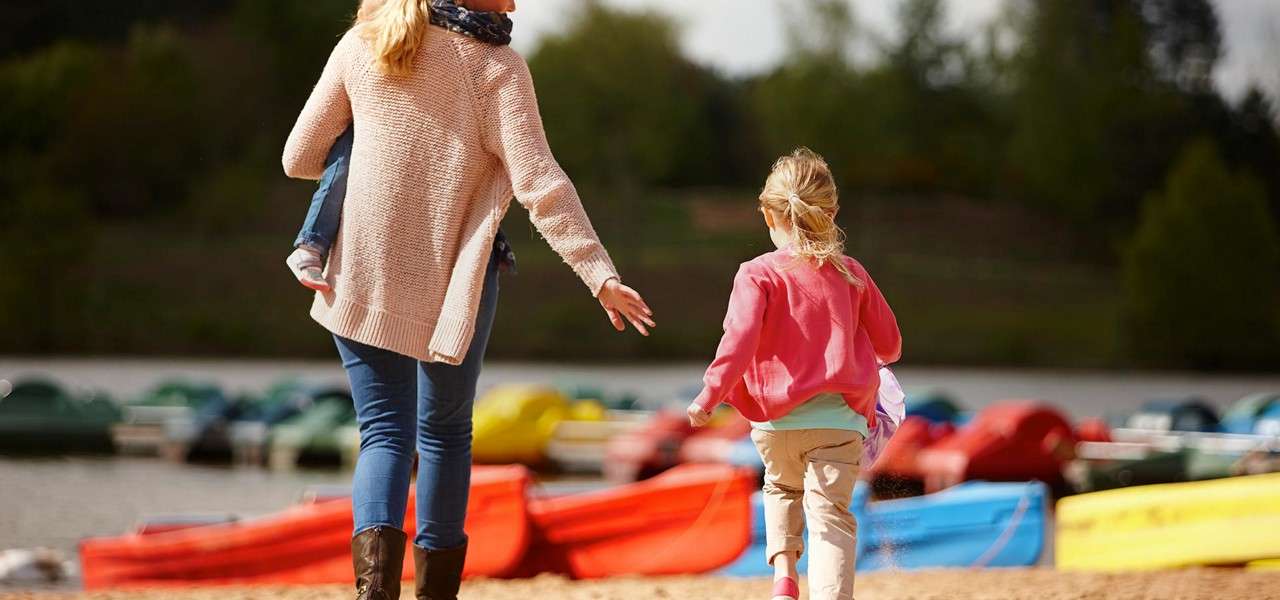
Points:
[446,130]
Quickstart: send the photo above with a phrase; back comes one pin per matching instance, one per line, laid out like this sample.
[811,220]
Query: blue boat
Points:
[1246,413]
[217,431]
[935,406]
[974,524]
[1176,414]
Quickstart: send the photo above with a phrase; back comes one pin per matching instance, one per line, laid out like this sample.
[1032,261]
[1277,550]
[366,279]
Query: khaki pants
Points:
[809,474]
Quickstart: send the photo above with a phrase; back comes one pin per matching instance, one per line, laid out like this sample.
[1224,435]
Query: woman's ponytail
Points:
[801,189]
[394,30]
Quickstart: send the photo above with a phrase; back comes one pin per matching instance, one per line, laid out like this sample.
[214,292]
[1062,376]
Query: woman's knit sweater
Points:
[437,156]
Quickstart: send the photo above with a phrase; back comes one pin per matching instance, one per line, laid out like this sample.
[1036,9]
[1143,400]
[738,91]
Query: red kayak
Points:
[306,544]
[690,519]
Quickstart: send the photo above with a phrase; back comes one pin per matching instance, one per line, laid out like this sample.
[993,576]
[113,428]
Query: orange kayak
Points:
[690,519]
[306,544]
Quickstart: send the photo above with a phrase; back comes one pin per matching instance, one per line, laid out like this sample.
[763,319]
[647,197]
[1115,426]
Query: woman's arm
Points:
[326,115]
[504,92]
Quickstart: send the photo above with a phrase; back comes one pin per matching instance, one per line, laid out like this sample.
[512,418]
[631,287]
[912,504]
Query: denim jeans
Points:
[402,403]
[320,227]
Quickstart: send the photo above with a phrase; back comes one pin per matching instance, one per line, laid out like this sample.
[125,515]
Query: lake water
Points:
[56,502]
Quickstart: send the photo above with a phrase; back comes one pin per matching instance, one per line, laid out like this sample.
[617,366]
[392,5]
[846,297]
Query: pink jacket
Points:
[793,331]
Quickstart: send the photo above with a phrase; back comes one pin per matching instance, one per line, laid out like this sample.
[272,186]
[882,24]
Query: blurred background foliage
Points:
[1066,189]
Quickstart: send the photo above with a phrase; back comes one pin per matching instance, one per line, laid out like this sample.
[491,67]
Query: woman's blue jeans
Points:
[402,403]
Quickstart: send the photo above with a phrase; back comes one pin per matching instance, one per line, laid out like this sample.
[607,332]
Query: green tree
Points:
[1200,274]
[1184,41]
[915,121]
[132,141]
[941,119]
[1088,140]
[45,237]
[621,104]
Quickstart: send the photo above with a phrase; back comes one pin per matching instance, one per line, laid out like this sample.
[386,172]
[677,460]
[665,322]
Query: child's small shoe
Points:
[307,266]
[786,589]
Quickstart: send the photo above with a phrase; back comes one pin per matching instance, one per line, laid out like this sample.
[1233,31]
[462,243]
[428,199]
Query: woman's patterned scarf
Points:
[489,27]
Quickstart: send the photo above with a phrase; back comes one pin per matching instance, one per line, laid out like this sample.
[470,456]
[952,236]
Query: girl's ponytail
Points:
[801,189]
[394,30]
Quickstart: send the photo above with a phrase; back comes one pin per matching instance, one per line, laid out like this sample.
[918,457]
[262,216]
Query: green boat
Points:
[143,428]
[313,438]
[38,416]
[249,433]
[1146,457]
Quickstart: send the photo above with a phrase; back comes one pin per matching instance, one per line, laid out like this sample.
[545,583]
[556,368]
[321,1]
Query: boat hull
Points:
[691,519]
[306,544]
[975,524]
[1222,522]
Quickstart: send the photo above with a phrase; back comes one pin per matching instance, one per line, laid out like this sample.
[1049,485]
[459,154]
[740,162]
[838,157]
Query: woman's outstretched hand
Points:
[620,301]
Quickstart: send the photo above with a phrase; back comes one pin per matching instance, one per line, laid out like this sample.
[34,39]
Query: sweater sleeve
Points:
[326,116]
[742,326]
[508,104]
[882,327]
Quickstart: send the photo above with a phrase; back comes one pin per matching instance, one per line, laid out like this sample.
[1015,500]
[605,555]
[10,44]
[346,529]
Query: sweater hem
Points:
[376,328]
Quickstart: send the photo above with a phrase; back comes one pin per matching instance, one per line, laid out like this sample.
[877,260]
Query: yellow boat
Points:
[1269,564]
[1222,522]
[515,423]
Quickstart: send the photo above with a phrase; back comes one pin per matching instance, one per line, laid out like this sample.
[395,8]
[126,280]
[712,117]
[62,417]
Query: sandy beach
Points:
[1013,584]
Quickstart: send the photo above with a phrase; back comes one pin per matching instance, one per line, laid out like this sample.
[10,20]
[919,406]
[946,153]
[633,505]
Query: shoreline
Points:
[994,584]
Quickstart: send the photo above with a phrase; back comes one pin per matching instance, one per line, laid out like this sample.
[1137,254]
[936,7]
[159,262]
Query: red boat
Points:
[648,450]
[896,472]
[715,444]
[1010,441]
[305,544]
[690,519]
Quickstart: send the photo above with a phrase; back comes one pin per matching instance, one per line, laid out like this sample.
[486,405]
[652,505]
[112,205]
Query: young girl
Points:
[484,20]
[805,335]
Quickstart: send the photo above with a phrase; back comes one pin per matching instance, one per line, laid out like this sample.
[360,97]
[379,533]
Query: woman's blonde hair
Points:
[802,190]
[394,30]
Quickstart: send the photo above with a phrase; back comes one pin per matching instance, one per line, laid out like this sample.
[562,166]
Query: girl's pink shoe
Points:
[786,589]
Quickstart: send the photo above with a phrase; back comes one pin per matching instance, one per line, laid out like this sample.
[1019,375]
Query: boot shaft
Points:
[378,557]
[438,573]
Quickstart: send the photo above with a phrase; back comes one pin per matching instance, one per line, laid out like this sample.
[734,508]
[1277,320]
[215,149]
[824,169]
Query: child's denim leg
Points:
[320,228]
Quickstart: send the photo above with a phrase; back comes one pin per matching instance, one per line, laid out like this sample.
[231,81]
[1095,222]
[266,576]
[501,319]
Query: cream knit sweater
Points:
[437,157]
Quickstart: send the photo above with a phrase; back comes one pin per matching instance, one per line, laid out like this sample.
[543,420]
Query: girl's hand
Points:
[620,301]
[697,416]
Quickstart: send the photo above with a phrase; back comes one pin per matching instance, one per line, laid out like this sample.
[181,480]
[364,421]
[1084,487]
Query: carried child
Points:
[484,20]
[806,333]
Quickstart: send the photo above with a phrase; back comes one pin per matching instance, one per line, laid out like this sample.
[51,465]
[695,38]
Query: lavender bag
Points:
[891,408]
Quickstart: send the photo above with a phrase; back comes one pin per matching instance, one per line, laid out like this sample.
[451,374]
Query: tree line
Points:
[1100,114]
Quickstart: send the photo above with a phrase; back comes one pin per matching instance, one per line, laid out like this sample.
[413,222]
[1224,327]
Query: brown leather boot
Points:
[378,556]
[438,573]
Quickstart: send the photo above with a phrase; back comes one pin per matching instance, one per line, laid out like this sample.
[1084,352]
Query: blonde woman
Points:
[446,130]
[806,333]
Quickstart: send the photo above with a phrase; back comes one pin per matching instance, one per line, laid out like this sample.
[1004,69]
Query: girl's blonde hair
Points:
[801,189]
[394,30]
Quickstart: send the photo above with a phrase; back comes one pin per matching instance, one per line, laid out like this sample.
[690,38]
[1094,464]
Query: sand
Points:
[1035,584]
